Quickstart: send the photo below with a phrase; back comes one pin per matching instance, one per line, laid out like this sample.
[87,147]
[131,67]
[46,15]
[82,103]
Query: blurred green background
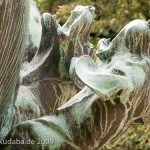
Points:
[111,16]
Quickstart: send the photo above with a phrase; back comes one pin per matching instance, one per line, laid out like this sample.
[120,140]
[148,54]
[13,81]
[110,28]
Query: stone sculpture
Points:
[65,100]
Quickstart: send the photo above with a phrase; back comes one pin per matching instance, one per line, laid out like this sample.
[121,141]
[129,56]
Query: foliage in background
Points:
[111,16]
[135,138]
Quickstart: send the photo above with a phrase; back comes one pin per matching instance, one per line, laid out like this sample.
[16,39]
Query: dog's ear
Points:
[106,85]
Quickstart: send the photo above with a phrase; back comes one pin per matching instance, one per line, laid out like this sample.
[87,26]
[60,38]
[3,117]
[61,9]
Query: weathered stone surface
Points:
[114,89]
[33,34]
[14,16]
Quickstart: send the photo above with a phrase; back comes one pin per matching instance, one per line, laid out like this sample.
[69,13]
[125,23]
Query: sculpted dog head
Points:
[81,17]
[122,69]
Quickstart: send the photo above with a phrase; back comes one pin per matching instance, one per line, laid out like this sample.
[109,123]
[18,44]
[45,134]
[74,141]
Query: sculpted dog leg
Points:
[14,16]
